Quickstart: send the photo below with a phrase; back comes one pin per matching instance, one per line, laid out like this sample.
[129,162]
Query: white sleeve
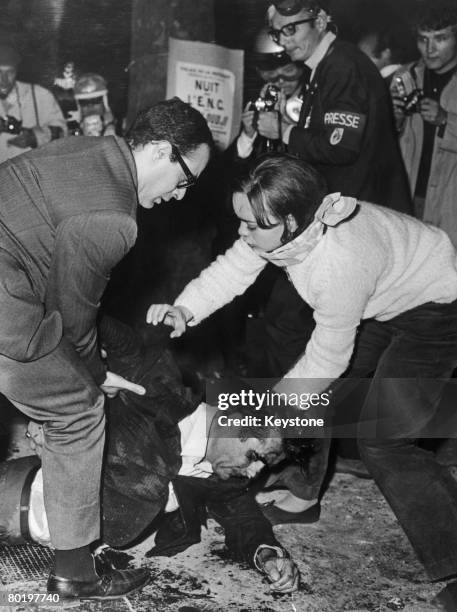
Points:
[341,301]
[228,276]
[245,145]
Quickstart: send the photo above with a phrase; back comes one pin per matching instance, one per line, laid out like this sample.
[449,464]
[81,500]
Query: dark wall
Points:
[153,22]
[95,34]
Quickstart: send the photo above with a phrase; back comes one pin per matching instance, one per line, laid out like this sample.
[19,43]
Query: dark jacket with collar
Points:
[346,130]
[143,456]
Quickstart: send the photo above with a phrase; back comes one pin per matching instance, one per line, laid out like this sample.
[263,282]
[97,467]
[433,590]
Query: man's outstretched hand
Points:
[279,568]
[174,316]
[283,574]
[114,383]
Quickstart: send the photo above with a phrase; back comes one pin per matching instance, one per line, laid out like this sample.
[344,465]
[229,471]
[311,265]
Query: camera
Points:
[407,89]
[412,101]
[10,125]
[267,101]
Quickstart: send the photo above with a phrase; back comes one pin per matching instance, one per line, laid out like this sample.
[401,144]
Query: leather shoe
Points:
[277,516]
[111,585]
[446,599]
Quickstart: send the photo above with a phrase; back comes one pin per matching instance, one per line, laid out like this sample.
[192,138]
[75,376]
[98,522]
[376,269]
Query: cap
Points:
[267,54]
[286,8]
[9,56]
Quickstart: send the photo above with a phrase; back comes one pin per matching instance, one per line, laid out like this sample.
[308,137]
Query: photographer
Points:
[345,129]
[29,114]
[425,104]
[261,120]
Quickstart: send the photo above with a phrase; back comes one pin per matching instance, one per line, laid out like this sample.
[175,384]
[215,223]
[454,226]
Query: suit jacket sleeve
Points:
[87,247]
[335,133]
[245,526]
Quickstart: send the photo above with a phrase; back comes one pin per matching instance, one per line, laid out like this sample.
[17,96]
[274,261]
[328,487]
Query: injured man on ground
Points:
[167,462]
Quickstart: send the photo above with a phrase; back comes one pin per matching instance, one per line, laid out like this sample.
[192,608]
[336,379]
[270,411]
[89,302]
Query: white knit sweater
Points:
[377,264]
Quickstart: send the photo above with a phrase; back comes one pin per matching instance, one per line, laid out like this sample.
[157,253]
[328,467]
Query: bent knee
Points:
[84,423]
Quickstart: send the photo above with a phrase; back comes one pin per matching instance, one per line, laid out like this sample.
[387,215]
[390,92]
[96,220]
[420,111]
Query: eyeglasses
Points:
[190,179]
[287,30]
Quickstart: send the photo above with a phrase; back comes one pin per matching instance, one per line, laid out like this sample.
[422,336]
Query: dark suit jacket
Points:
[67,217]
[143,456]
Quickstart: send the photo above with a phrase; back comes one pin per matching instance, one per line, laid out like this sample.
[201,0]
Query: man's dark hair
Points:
[396,38]
[279,185]
[436,15]
[172,120]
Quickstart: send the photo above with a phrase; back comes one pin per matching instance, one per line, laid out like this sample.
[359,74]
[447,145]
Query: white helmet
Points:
[267,54]
[90,85]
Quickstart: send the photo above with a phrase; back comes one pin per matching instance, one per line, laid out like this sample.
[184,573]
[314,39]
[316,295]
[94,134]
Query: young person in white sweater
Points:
[383,287]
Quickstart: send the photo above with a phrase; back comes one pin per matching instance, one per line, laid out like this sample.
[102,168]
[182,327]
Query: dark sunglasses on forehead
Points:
[190,179]
[284,77]
[287,30]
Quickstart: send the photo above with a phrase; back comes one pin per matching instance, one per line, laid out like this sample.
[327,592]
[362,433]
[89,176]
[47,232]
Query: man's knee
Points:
[84,424]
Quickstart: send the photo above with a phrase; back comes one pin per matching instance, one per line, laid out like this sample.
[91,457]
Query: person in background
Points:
[388,44]
[425,103]
[29,114]
[261,129]
[345,129]
[94,114]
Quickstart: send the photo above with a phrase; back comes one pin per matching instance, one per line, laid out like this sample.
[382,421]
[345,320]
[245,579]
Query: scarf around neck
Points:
[334,209]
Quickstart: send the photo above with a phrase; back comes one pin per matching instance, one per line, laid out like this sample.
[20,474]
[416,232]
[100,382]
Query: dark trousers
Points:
[289,324]
[412,356]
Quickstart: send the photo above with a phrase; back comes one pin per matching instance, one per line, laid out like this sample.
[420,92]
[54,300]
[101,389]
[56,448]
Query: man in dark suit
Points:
[67,218]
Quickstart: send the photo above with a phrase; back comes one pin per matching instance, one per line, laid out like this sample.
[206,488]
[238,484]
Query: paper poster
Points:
[210,78]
